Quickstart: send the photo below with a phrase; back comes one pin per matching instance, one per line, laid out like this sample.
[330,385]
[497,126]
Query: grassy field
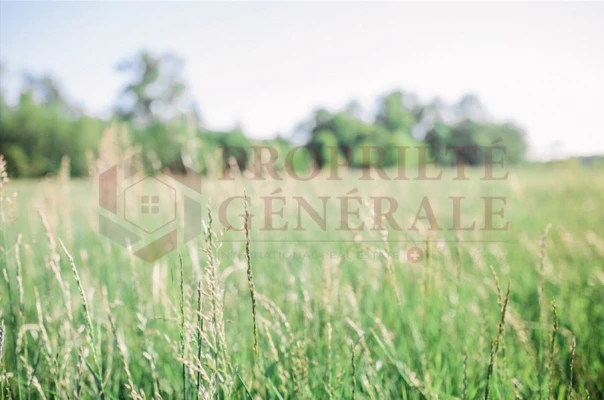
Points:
[338,314]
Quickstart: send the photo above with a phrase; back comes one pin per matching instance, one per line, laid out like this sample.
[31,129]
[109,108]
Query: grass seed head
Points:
[1,339]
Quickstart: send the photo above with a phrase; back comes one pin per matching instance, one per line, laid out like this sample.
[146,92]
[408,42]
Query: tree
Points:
[158,105]
[468,139]
[42,128]
[44,89]
[394,115]
[469,107]
[156,91]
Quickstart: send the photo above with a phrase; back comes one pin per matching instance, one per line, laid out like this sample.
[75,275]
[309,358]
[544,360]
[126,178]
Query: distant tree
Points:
[157,103]
[428,115]
[438,138]
[345,135]
[42,128]
[468,139]
[320,147]
[164,121]
[235,145]
[403,121]
[469,107]
[156,91]
[44,90]
[394,115]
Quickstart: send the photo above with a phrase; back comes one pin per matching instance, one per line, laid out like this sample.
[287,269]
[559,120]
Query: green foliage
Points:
[234,144]
[468,140]
[394,115]
[35,137]
[157,109]
[156,90]
[468,127]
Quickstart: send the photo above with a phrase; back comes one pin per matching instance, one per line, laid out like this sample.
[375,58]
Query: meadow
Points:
[315,313]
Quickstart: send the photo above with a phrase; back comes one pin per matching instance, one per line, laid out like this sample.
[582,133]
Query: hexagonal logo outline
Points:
[111,217]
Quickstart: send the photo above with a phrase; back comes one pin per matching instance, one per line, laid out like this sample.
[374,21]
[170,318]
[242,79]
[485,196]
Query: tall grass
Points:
[496,342]
[82,318]
[250,275]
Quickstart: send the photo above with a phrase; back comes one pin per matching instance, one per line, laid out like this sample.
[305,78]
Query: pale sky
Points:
[268,65]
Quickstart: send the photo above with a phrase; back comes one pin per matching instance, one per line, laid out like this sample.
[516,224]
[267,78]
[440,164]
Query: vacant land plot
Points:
[336,313]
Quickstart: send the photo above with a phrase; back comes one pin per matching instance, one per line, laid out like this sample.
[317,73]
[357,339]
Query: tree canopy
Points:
[160,115]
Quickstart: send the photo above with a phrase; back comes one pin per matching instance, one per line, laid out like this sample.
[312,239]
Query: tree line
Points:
[159,116]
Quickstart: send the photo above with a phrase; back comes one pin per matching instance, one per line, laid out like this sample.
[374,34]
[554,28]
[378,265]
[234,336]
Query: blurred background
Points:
[180,80]
[355,299]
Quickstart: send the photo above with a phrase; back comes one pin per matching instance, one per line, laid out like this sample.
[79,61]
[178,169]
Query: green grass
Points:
[346,317]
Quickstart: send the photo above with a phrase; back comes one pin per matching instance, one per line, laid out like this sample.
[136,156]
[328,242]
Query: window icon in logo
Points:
[149,206]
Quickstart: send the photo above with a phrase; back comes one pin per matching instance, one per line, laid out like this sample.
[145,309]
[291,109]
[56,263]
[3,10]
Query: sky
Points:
[266,66]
